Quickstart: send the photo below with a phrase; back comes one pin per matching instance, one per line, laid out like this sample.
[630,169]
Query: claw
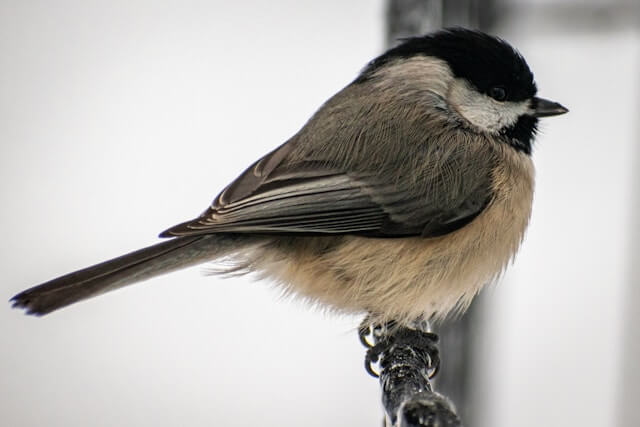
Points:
[363,333]
[369,360]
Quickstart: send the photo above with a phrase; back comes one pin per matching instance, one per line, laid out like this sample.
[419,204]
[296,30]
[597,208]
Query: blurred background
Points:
[121,118]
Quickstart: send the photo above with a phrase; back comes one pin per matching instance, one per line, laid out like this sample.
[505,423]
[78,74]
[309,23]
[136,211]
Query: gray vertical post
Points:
[630,390]
[629,413]
[414,17]
[630,378]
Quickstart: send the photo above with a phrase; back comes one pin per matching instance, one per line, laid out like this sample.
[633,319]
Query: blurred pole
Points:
[630,378]
[414,17]
[630,372]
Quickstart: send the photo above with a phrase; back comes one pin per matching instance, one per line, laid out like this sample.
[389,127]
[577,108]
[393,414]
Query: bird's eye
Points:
[498,93]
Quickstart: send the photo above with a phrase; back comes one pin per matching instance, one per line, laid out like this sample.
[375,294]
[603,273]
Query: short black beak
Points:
[545,108]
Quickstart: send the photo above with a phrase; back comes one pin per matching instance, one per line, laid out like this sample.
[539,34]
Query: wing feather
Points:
[330,204]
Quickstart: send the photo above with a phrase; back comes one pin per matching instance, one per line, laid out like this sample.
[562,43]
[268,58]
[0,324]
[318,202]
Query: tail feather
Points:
[127,269]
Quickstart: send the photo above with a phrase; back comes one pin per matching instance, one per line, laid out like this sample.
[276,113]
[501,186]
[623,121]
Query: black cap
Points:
[485,61]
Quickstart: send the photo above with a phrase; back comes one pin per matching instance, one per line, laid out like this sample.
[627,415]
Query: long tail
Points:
[127,269]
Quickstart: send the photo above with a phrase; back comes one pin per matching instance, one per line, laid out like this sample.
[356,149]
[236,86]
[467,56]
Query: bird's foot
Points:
[380,338]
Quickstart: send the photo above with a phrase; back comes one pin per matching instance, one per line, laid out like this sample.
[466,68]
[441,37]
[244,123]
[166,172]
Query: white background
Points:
[119,119]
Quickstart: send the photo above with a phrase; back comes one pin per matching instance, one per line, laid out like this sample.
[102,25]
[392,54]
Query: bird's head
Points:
[479,80]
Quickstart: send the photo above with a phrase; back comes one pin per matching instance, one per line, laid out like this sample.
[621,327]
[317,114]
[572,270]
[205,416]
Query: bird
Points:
[402,196]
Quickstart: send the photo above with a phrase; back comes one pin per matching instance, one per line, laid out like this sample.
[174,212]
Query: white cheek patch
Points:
[483,111]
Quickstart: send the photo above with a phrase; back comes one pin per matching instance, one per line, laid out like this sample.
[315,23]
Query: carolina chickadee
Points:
[402,196]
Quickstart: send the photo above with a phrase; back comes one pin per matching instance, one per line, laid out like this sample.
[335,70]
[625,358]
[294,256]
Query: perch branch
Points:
[407,359]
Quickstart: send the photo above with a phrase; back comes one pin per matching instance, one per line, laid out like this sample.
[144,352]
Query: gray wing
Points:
[329,203]
[309,198]
[328,179]
[274,197]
